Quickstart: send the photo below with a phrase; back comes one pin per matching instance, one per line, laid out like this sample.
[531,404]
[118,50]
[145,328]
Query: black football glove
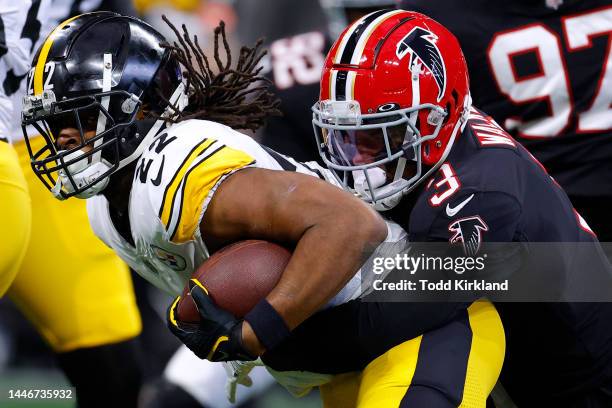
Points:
[218,335]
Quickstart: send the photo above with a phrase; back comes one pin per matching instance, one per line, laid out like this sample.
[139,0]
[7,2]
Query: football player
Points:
[82,302]
[542,70]
[445,171]
[164,197]
[297,39]
[294,66]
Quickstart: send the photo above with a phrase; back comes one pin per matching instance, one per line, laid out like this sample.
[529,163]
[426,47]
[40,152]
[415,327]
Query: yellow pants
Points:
[16,216]
[73,288]
[389,380]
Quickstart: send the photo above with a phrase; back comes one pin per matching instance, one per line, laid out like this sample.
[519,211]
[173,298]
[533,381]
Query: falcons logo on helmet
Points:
[420,43]
[468,231]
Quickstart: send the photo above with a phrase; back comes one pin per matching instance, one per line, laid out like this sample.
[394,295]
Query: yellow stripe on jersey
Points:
[199,182]
[165,211]
[44,53]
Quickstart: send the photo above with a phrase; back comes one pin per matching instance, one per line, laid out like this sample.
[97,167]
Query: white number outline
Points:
[606,68]
[547,98]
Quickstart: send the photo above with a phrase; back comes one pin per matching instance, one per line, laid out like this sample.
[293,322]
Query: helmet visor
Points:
[360,147]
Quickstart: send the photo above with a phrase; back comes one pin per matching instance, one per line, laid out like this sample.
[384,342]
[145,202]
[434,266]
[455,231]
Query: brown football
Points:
[237,277]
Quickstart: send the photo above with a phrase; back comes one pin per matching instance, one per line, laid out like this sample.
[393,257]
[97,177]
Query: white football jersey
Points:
[175,180]
[20,29]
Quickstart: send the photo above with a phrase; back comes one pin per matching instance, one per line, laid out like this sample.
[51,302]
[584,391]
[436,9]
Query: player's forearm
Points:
[326,257]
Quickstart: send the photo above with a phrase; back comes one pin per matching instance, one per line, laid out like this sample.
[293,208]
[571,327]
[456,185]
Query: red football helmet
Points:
[394,90]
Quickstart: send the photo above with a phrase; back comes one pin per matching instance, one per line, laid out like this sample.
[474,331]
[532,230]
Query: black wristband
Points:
[268,325]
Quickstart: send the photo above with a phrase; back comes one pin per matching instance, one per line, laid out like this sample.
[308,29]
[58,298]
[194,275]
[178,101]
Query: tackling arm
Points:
[334,233]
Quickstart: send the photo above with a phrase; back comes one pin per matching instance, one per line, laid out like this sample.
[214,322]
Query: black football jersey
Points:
[543,70]
[294,66]
[489,175]
[491,189]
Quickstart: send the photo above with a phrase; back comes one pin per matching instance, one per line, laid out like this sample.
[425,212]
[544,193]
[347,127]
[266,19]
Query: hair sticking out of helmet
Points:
[103,87]
[224,94]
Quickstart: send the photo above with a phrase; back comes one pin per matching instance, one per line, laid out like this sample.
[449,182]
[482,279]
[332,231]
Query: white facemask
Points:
[378,178]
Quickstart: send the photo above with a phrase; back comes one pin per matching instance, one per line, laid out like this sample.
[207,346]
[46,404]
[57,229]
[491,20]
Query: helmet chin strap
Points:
[82,173]
[364,181]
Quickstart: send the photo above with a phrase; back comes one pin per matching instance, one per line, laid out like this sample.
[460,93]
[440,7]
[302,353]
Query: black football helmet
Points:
[107,76]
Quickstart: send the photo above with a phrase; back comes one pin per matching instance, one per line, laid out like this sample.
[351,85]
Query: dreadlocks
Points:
[220,95]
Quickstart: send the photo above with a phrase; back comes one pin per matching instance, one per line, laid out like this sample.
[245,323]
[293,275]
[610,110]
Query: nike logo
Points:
[157,180]
[452,211]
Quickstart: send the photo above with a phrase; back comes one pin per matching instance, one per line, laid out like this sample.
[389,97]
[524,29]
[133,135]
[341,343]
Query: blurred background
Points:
[29,362]
[297,35]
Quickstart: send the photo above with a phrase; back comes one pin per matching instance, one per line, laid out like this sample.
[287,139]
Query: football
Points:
[237,277]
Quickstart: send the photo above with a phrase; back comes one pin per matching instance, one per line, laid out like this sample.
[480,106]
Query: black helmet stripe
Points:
[341,85]
[351,43]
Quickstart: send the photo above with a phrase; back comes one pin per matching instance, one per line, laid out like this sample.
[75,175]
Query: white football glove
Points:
[238,374]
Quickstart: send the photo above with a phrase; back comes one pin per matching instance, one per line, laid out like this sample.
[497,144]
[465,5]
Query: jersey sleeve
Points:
[182,169]
[482,226]
[193,185]
[484,217]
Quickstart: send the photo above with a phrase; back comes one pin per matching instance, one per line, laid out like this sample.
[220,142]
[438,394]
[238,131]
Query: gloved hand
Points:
[238,374]
[218,335]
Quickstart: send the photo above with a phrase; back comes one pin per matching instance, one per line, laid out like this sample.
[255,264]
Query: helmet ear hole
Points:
[448,108]
[451,104]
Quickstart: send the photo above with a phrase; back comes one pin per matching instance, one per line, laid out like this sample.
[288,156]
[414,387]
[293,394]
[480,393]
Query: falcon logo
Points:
[421,44]
[468,231]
